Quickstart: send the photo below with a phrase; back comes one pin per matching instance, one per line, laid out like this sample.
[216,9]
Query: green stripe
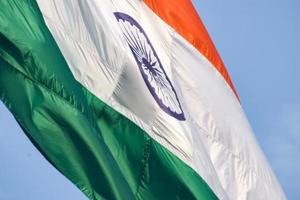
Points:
[103,153]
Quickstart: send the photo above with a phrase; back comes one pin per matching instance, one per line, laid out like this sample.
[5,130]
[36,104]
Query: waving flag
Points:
[129,100]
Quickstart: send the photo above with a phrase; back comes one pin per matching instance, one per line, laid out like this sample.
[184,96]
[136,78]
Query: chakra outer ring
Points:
[180,116]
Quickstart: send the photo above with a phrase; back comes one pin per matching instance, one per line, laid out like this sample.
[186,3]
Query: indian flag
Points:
[129,99]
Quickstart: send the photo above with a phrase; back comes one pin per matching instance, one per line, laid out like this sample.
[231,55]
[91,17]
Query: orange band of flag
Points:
[182,16]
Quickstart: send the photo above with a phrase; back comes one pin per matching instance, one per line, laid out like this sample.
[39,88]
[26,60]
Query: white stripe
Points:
[215,139]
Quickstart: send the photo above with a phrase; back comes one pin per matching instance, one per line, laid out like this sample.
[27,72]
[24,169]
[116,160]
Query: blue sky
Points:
[259,41]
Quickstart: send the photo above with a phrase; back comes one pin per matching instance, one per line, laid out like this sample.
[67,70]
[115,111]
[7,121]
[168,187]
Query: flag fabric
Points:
[129,100]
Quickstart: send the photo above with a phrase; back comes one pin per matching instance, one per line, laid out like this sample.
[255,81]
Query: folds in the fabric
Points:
[103,153]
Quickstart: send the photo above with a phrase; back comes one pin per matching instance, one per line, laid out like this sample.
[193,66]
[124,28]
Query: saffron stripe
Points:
[182,16]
